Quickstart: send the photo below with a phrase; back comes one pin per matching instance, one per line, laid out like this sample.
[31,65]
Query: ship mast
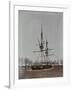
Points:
[42,45]
[46,51]
[43,50]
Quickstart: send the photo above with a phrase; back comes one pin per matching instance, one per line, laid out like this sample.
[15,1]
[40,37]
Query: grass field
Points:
[54,71]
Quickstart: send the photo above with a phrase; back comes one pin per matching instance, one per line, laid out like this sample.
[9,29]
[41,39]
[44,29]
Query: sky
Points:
[29,29]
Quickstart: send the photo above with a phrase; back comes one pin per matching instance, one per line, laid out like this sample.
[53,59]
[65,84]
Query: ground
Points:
[54,71]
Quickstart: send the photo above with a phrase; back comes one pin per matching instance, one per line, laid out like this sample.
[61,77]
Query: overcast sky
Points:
[29,28]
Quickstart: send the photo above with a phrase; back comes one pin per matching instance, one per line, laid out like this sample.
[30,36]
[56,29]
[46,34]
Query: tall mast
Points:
[46,50]
[41,46]
[43,50]
[41,33]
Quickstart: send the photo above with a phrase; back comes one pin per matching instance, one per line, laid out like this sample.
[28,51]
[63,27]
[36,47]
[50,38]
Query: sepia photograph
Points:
[40,44]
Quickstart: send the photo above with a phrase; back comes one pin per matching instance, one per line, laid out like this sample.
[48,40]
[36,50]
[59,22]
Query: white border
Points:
[14,82]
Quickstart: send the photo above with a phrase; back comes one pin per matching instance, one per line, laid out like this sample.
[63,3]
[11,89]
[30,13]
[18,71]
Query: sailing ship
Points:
[44,53]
